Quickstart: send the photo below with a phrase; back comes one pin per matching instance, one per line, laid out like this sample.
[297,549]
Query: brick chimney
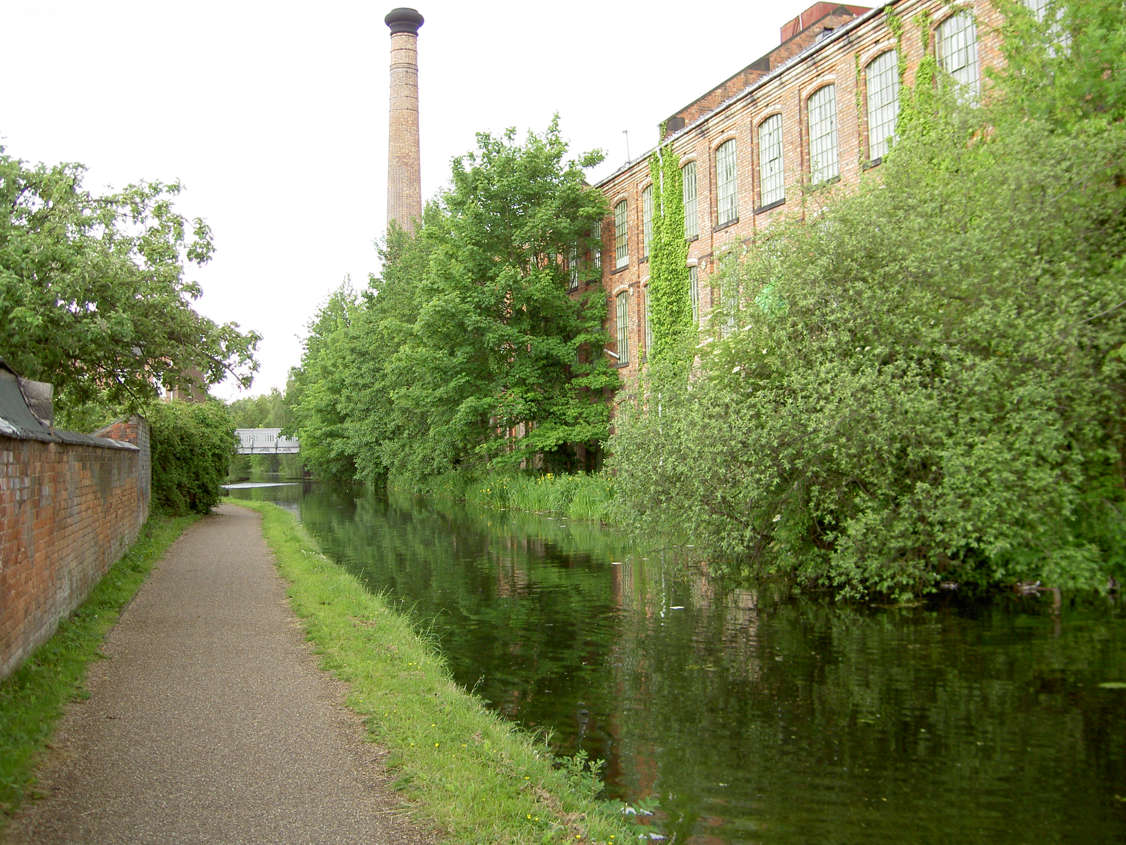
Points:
[404,179]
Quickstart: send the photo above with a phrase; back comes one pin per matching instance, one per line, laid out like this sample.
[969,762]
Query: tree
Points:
[319,402]
[469,350]
[499,344]
[92,290]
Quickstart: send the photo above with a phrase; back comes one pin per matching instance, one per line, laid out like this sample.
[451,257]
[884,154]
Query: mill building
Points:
[819,109]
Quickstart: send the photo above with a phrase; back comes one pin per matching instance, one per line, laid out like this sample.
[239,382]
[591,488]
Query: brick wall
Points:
[69,508]
[836,49]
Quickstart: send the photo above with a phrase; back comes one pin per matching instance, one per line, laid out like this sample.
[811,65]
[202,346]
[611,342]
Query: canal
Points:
[733,714]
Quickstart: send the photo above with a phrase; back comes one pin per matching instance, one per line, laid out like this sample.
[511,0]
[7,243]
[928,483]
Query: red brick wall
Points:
[68,511]
[839,59]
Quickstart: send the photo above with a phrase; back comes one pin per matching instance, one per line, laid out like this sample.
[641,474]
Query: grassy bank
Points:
[477,777]
[32,698]
[577,496]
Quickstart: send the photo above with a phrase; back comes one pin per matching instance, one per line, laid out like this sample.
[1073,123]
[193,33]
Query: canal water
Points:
[735,715]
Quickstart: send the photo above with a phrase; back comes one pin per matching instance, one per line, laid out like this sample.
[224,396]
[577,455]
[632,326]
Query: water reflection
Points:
[747,717]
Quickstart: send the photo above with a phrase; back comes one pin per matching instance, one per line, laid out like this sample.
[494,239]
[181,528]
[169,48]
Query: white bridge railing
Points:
[265,441]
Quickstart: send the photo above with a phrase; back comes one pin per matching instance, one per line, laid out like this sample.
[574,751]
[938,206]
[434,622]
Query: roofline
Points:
[812,49]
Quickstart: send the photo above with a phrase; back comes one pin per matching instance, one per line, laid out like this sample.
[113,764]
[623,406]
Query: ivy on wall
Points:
[670,304]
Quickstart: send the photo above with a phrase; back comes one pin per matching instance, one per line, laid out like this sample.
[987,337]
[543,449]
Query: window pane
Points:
[623,327]
[596,246]
[694,292]
[691,220]
[647,215]
[1039,9]
[770,160]
[621,236]
[883,103]
[823,134]
[727,205]
[957,53]
[573,268]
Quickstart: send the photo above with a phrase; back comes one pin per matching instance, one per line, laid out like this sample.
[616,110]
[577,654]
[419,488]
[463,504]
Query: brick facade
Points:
[70,506]
[827,44]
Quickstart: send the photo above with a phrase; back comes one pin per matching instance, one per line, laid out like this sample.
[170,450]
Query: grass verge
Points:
[478,777]
[33,697]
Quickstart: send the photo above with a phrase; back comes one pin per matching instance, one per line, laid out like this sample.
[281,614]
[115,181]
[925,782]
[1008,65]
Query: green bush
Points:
[192,446]
[926,381]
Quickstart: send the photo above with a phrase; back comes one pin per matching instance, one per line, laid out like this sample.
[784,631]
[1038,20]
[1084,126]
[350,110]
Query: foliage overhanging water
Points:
[743,718]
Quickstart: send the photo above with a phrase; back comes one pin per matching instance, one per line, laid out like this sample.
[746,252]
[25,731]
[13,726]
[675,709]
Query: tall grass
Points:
[576,496]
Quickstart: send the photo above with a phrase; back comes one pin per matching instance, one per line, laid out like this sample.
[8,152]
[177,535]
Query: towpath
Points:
[210,721]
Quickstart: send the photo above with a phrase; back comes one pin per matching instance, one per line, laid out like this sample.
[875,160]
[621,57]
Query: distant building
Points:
[819,108]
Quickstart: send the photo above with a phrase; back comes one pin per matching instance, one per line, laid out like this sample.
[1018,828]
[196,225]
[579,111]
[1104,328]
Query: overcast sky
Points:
[274,114]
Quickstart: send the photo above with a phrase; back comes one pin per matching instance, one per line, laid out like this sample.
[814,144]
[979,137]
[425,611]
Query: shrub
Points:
[192,446]
[924,382]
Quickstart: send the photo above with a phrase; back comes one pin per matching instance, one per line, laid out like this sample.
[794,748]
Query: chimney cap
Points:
[403,20]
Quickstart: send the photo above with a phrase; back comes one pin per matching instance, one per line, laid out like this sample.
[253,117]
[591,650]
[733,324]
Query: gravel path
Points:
[210,721]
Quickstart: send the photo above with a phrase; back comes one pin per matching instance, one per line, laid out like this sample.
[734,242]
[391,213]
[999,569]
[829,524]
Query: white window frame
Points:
[1039,10]
[573,268]
[726,180]
[621,235]
[882,82]
[771,173]
[691,199]
[694,291]
[646,220]
[596,246]
[824,158]
[956,46]
[622,325]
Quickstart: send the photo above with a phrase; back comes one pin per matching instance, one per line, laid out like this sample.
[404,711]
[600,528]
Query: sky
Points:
[273,115]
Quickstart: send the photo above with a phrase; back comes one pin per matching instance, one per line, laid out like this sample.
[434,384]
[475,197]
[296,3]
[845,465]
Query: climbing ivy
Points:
[670,306]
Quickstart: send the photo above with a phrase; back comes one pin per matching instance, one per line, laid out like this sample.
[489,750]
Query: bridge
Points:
[265,441]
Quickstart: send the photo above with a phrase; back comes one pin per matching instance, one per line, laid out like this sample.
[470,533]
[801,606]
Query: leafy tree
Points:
[928,380]
[498,343]
[92,290]
[469,334]
[266,411]
[318,401]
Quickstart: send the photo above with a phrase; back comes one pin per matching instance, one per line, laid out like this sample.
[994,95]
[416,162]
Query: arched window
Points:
[647,220]
[771,179]
[694,291]
[883,102]
[623,327]
[956,44]
[822,110]
[621,236]
[691,215]
[727,203]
